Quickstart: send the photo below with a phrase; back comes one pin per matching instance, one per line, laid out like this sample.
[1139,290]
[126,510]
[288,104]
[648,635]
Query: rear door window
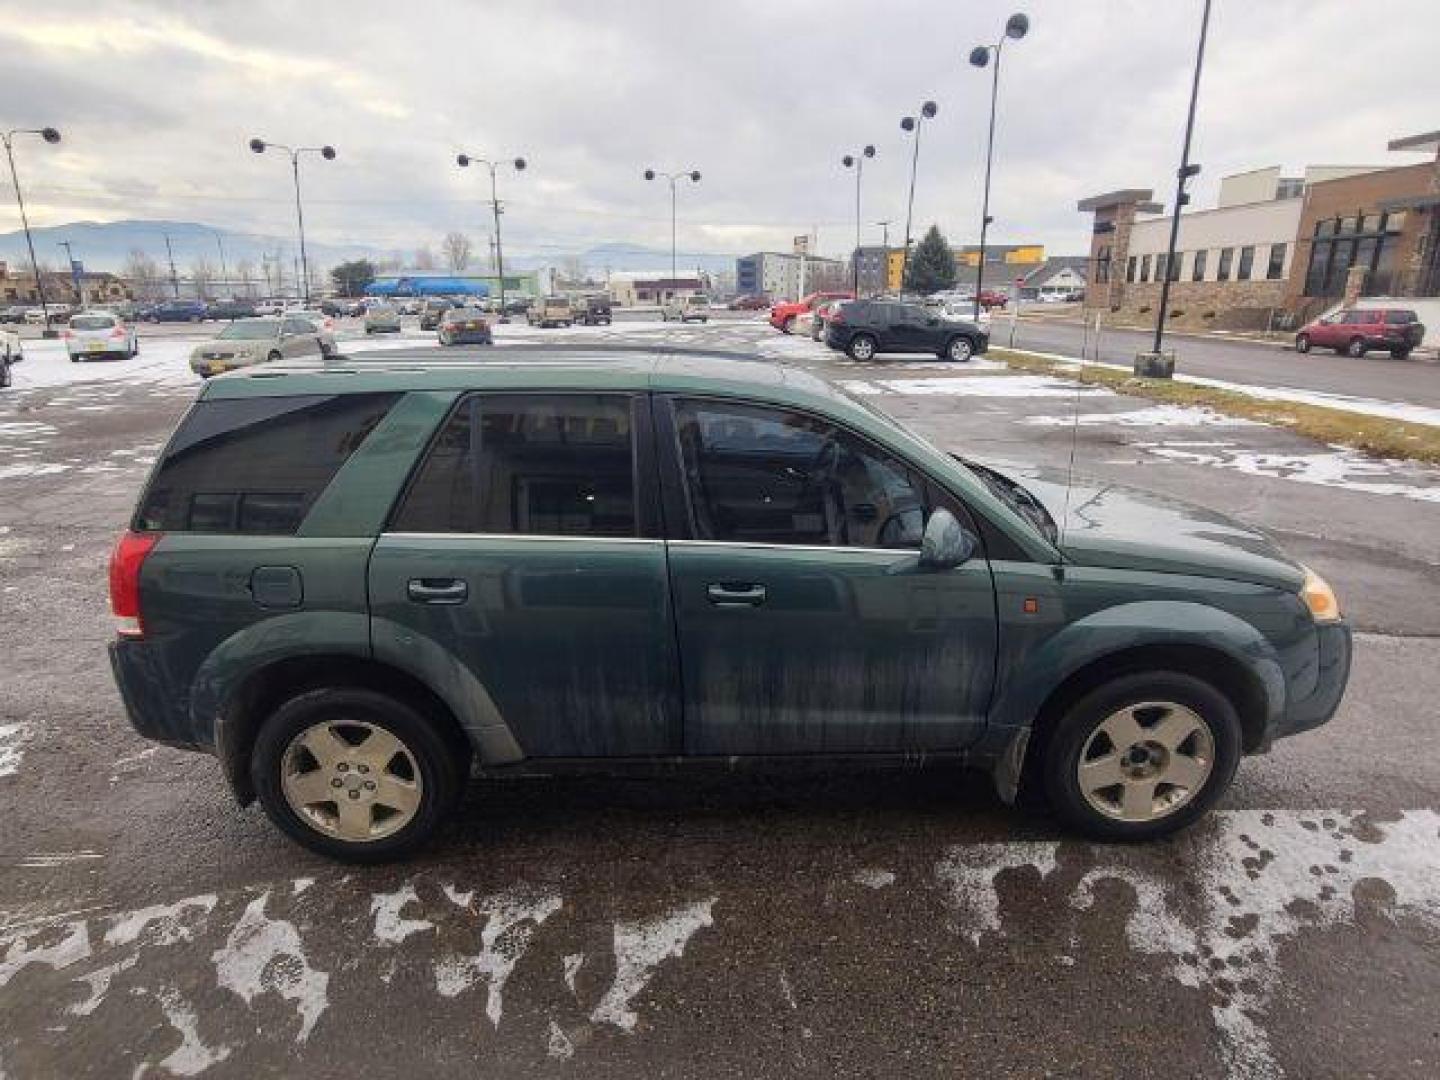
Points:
[256,465]
[529,464]
[1399,318]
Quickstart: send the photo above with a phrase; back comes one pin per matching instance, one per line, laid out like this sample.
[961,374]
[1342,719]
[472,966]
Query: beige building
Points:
[18,287]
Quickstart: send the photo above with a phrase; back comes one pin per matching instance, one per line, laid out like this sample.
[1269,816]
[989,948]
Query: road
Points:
[725,924]
[1416,380]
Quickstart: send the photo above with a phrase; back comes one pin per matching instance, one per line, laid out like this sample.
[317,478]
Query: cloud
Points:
[157,101]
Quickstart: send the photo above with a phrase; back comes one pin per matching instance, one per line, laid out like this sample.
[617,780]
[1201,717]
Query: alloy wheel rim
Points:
[960,350]
[863,349]
[351,780]
[1146,761]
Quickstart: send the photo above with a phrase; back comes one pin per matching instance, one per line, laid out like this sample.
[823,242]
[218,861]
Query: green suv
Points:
[357,583]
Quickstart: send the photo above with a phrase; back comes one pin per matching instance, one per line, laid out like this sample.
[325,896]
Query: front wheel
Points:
[274,357]
[1356,348]
[356,775]
[1142,756]
[861,347]
[1302,343]
[960,350]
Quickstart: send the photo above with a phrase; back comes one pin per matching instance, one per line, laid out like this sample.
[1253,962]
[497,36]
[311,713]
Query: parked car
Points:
[749,302]
[382,319]
[550,311]
[431,311]
[782,315]
[1356,331]
[324,328]
[693,308]
[230,309]
[593,311]
[14,314]
[989,298]
[519,305]
[863,328]
[464,326]
[34,316]
[177,311]
[269,308]
[819,318]
[831,586]
[99,334]
[11,352]
[246,342]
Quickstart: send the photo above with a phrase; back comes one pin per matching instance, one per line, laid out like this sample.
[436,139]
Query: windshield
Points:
[251,330]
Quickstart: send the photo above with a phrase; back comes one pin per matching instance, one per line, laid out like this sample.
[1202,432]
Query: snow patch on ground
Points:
[1164,416]
[192,1056]
[969,871]
[639,949]
[998,386]
[391,927]
[1337,467]
[872,878]
[265,955]
[13,738]
[511,919]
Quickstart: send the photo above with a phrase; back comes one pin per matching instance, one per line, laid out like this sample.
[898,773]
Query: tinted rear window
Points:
[91,322]
[1394,318]
[256,465]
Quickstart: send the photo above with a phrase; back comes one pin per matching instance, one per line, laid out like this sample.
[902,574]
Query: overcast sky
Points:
[157,101]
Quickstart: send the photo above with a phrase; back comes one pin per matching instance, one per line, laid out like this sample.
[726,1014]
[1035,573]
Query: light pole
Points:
[694,176]
[326,152]
[50,135]
[465,161]
[913,123]
[885,262]
[1016,28]
[220,246]
[1182,175]
[857,162]
[74,271]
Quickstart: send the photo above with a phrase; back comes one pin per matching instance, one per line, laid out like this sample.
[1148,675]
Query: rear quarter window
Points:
[255,465]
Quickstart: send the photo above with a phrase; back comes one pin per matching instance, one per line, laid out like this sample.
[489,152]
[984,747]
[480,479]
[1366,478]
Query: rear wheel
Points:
[861,347]
[1356,348]
[1400,354]
[274,357]
[1302,343]
[1142,756]
[788,327]
[959,350]
[355,774]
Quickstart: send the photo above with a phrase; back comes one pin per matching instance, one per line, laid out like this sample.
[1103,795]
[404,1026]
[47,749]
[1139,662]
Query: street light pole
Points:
[74,273]
[1183,174]
[694,175]
[170,256]
[857,162]
[464,161]
[913,123]
[259,146]
[1015,28]
[224,272]
[50,135]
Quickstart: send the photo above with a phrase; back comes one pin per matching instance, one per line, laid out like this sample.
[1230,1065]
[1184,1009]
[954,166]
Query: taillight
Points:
[125,563]
[837,316]
[118,332]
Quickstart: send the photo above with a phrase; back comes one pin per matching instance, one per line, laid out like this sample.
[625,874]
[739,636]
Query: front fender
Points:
[1127,626]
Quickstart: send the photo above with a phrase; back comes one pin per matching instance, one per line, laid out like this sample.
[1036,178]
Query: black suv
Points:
[593,311]
[863,328]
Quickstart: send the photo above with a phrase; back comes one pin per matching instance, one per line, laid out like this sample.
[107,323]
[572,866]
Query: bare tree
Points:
[573,268]
[457,249]
[424,259]
[245,273]
[202,273]
[142,274]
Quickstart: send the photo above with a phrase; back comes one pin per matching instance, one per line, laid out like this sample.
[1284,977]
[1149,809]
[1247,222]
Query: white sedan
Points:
[99,334]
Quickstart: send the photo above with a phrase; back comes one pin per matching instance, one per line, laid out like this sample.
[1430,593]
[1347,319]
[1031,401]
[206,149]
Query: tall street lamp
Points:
[465,161]
[1016,28]
[326,152]
[50,135]
[913,123]
[694,177]
[857,162]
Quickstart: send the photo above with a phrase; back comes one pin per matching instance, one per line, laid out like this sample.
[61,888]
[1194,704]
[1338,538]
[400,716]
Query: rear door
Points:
[805,622]
[527,548]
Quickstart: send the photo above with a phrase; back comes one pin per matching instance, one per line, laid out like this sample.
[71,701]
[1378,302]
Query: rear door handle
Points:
[438,590]
[735,594]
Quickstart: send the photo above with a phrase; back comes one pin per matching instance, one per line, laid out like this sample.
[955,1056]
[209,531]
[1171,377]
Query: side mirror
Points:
[945,544]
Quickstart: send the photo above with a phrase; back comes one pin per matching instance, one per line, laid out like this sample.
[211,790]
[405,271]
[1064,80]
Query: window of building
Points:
[1102,265]
[535,464]
[1160,267]
[1175,266]
[1222,272]
[1247,263]
[1275,268]
[1145,268]
[1197,269]
[256,465]
[1130,268]
[762,475]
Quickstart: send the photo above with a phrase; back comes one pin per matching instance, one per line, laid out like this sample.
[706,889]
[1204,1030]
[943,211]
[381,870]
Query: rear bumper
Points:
[156,708]
[1334,647]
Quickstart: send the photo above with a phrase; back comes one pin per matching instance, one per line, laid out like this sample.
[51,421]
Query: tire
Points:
[5,377]
[274,357]
[1302,343]
[959,349]
[1077,737]
[74,358]
[1400,354]
[861,347]
[438,766]
[788,327]
[1356,348]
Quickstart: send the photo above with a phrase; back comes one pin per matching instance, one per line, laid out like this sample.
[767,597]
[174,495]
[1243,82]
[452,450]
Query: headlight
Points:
[1319,597]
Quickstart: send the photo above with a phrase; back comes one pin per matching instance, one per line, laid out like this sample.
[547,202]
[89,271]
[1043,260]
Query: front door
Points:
[805,622]
[527,549]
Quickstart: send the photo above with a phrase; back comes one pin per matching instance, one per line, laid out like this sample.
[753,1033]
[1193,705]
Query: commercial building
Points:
[95,288]
[788,277]
[1276,249]
[630,288]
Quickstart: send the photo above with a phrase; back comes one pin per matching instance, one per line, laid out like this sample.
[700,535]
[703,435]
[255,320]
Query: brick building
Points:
[18,287]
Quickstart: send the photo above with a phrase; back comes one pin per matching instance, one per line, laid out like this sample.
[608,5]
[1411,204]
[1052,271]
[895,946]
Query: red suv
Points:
[782,315]
[1355,332]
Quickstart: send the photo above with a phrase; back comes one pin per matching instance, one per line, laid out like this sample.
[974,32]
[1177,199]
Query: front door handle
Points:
[735,594]
[438,590]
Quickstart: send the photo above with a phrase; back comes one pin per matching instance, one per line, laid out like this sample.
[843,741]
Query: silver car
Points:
[99,334]
[382,319]
[255,341]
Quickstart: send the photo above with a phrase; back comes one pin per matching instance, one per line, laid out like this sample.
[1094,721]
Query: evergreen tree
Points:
[932,264]
[352,277]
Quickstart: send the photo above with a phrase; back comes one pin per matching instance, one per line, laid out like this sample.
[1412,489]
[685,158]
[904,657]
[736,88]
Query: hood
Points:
[1126,528]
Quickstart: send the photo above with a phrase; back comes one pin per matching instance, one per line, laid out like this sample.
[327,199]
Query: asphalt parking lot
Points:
[731,924]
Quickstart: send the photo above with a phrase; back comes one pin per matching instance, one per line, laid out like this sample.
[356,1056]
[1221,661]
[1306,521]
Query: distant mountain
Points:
[622,256]
[105,245]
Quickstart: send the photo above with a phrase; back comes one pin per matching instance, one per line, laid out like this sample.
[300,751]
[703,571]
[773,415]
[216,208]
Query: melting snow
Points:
[997,386]
[511,919]
[639,948]
[391,927]
[1348,470]
[192,1056]
[873,879]
[1156,416]
[247,964]
[12,747]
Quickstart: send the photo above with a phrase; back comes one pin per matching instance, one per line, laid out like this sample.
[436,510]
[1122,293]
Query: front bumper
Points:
[1334,647]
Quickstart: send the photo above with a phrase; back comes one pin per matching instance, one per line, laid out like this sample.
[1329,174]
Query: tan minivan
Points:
[551,311]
